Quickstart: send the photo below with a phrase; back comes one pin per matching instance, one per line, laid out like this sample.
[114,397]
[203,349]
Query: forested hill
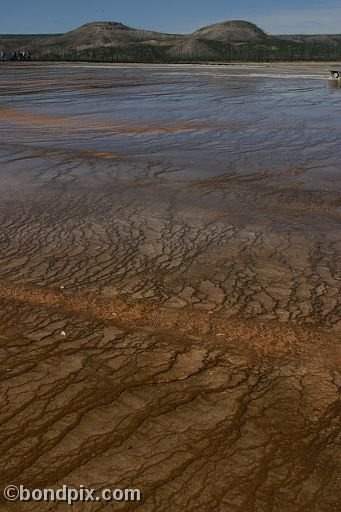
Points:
[229,41]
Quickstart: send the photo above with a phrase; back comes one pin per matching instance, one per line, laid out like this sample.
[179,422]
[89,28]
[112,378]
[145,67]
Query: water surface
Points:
[181,225]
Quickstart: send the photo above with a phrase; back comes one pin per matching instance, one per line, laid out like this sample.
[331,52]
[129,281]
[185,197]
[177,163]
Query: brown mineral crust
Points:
[170,317]
[217,420]
[262,337]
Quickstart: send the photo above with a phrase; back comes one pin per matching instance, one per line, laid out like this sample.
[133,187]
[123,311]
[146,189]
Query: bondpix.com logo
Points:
[70,495]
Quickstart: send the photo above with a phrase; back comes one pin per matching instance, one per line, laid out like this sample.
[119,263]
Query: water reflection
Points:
[334,84]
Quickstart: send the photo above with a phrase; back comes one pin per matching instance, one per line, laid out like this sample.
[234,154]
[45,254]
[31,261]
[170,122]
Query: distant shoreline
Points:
[170,64]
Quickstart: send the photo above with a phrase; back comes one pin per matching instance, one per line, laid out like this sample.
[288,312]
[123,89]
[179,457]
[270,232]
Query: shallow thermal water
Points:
[180,225]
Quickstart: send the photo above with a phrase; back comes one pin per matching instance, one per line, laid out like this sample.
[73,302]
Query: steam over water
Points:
[180,225]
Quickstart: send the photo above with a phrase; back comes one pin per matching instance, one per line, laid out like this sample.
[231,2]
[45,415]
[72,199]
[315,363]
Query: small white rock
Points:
[62,287]
[63,333]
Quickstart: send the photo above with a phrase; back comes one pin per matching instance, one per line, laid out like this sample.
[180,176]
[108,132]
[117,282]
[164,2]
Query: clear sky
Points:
[181,16]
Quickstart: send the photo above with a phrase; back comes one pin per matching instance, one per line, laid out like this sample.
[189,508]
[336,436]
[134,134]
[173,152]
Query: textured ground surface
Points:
[189,247]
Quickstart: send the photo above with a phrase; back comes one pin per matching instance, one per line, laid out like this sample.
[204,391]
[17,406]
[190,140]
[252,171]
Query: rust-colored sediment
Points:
[69,124]
[263,337]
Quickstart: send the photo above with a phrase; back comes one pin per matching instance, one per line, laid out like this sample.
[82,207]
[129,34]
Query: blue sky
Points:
[182,16]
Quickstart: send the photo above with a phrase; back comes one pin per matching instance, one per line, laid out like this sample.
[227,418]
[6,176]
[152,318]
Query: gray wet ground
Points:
[181,224]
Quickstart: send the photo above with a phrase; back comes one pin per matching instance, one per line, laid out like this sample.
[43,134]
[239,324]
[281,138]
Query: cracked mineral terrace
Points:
[170,285]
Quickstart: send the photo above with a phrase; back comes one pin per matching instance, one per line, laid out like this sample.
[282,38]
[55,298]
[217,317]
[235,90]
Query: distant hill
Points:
[231,31]
[112,34]
[234,40]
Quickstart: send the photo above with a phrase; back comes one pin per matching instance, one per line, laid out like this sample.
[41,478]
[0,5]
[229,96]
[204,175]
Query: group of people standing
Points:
[20,55]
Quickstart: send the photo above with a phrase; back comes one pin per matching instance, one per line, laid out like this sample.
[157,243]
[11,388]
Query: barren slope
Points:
[231,31]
